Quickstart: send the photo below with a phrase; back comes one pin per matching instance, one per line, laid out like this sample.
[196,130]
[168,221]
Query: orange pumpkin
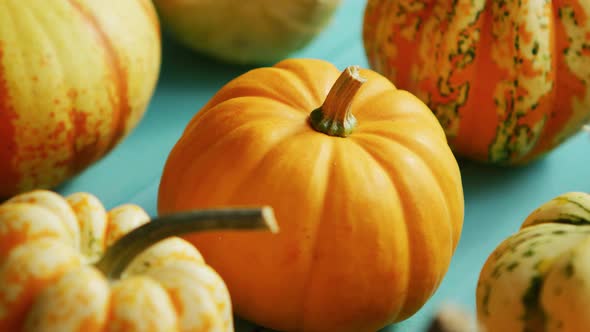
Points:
[508,80]
[367,193]
[76,77]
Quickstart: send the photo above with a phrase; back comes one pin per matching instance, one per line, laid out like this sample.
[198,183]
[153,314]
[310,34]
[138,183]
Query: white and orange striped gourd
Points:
[53,275]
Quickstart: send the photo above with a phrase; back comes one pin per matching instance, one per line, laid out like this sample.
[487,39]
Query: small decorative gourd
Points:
[66,265]
[246,31]
[539,278]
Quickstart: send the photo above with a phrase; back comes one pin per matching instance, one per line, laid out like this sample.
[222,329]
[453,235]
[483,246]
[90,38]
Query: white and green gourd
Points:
[539,278]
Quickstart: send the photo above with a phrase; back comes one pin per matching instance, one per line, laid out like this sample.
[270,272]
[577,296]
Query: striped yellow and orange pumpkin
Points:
[75,78]
[508,80]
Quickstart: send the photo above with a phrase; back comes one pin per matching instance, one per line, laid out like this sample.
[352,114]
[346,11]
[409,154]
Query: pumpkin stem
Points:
[334,117]
[125,249]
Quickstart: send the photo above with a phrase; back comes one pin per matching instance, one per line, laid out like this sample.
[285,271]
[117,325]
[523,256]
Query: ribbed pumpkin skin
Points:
[75,77]
[508,80]
[368,223]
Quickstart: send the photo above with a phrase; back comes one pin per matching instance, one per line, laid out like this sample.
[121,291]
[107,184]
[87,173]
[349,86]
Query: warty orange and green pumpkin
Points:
[76,77]
[508,80]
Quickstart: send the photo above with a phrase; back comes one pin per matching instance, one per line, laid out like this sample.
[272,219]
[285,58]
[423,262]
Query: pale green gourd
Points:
[246,31]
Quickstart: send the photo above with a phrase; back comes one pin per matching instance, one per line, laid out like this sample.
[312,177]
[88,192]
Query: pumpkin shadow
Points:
[185,68]
[390,328]
[242,325]
[497,200]
[488,190]
[480,179]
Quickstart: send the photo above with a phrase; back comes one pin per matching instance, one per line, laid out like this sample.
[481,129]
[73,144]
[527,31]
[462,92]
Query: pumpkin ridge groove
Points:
[576,203]
[275,146]
[316,93]
[315,243]
[389,174]
[236,193]
[205,115]
[227,137]
[399,139]
[310,94]
[289,76]
[204,112]
[233,91]
[196,158]
[119,73]
[412,234]
[292,108]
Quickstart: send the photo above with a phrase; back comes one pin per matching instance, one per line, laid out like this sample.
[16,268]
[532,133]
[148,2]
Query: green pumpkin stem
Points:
[334,117]
[119,255]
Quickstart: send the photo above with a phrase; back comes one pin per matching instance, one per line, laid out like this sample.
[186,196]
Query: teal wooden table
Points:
[496,199]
